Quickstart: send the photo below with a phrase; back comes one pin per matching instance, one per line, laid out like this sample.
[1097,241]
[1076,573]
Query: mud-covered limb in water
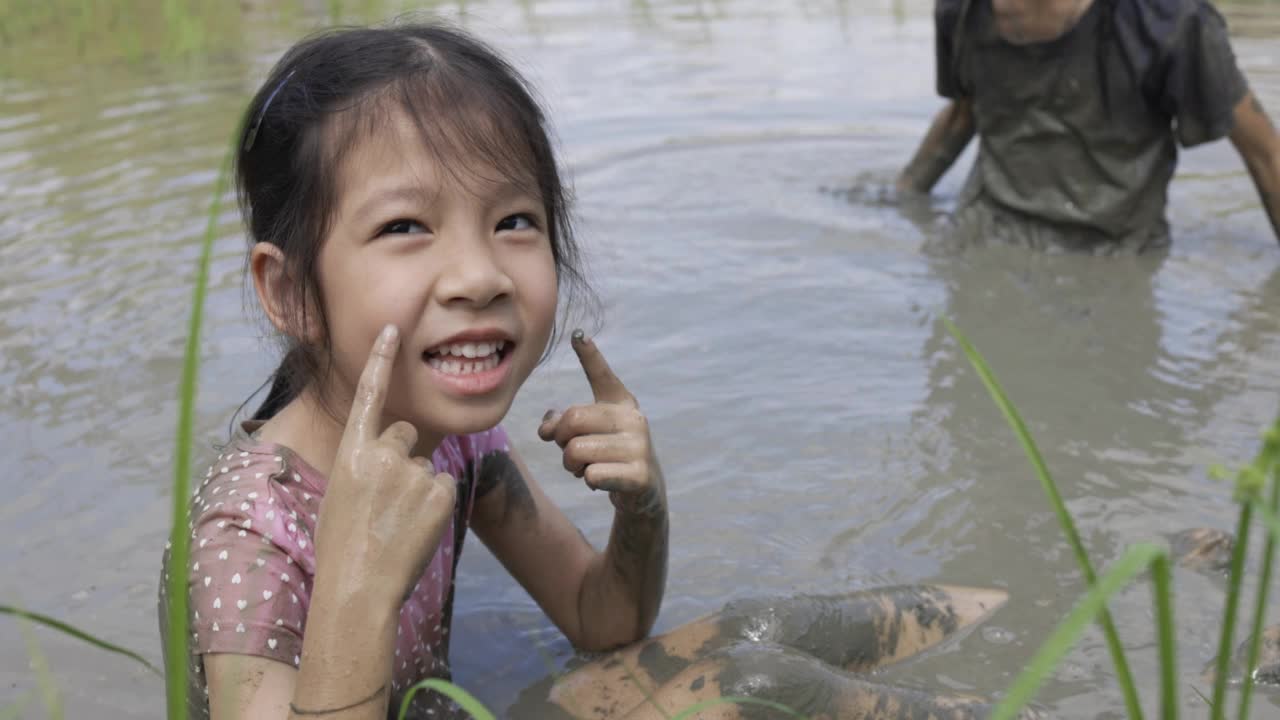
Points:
[862,630]
[856,631]
[1204,549]
[802,684]
[1255,137]
[947,137]
[1267,670]
[1209,550]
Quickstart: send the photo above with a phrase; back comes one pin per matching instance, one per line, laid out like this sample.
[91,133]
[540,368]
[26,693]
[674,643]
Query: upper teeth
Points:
[470,350]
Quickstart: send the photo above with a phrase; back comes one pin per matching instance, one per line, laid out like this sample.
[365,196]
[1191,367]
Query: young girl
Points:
[409,237]
[409,234]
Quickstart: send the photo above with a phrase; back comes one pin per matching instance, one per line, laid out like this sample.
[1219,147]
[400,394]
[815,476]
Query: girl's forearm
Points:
[622,591]
[346,662]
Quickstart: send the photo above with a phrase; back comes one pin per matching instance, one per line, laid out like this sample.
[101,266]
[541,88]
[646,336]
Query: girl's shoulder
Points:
[257,493]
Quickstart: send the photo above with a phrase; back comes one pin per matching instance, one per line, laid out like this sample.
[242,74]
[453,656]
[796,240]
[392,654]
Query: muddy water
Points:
[778,322]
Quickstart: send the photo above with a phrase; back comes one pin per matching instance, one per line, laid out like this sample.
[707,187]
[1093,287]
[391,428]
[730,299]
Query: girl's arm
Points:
[345,672]
[598,600]
[1256,140]
[380,523]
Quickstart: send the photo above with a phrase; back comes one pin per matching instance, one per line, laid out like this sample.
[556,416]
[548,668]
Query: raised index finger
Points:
[371,391]
[605,386]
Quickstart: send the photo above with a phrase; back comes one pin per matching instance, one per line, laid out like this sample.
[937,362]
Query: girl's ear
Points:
[278,294]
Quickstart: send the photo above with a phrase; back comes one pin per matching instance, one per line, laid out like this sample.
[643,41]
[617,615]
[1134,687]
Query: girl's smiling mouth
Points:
[471,363]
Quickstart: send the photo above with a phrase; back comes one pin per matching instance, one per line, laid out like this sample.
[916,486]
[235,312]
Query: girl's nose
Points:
[472,274]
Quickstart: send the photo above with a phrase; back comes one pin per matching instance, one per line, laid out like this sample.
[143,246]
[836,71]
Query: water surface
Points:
[819,430]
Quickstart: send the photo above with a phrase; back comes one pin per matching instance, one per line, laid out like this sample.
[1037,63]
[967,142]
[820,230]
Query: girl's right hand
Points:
[384,512]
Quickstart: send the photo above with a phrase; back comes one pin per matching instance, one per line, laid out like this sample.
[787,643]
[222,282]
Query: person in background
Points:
[1079,107]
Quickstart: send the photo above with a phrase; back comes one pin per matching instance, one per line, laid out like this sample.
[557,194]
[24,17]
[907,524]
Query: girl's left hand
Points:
[607,443]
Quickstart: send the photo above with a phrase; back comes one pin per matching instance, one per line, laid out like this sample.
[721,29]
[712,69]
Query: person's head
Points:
[405,175]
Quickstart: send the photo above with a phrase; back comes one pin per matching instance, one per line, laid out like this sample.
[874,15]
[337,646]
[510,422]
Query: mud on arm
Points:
[598,600]
[948,135]
[632,573]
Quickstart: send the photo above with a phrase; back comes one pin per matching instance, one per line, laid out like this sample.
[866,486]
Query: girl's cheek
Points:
[546,298]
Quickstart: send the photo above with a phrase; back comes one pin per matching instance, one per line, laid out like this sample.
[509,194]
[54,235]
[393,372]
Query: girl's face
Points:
[461,263]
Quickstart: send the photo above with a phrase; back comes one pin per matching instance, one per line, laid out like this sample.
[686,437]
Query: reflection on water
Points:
[775,311]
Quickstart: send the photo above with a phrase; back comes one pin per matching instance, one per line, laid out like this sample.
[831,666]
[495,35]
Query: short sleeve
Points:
[947,16]
[1202,84]
[248,595]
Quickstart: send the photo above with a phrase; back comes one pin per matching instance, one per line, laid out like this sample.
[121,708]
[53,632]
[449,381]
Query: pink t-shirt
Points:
[253,517]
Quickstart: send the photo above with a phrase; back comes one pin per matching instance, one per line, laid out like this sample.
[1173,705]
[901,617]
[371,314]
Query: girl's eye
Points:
[403,227]
[517,222]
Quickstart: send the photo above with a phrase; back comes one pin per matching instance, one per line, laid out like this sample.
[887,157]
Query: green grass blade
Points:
[736,700]
[1123,674]
[1270,520]
[1137,559]
[13,711]
[648,696]
[78,634]
[46,688]
[1260,606]
[179,542]
[465,699]
[1162,589]
[1217,703]
[1203,697]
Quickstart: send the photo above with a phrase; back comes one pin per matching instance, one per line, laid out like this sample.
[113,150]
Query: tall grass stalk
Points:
[1260,605]
[465,700]
[1162,592]
[77,633]
[46,688]
[1123,675]
[696,708]
[176,647]
[1249,482]
[1217,701]
[13,711]
[1137,559]
[648,696]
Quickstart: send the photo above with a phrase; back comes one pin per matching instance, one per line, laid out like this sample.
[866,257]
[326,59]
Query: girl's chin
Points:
[449,417]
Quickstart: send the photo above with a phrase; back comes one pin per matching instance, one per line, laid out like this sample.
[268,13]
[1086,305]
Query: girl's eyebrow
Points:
[404,193]
[510,191]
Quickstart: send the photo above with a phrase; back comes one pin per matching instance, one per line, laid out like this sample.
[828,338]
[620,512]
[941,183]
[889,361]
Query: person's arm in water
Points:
[1256,139]
[598,600]
[948,136]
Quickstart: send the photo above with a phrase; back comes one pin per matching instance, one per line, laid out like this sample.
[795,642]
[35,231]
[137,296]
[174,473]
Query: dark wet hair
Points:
[468,104]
